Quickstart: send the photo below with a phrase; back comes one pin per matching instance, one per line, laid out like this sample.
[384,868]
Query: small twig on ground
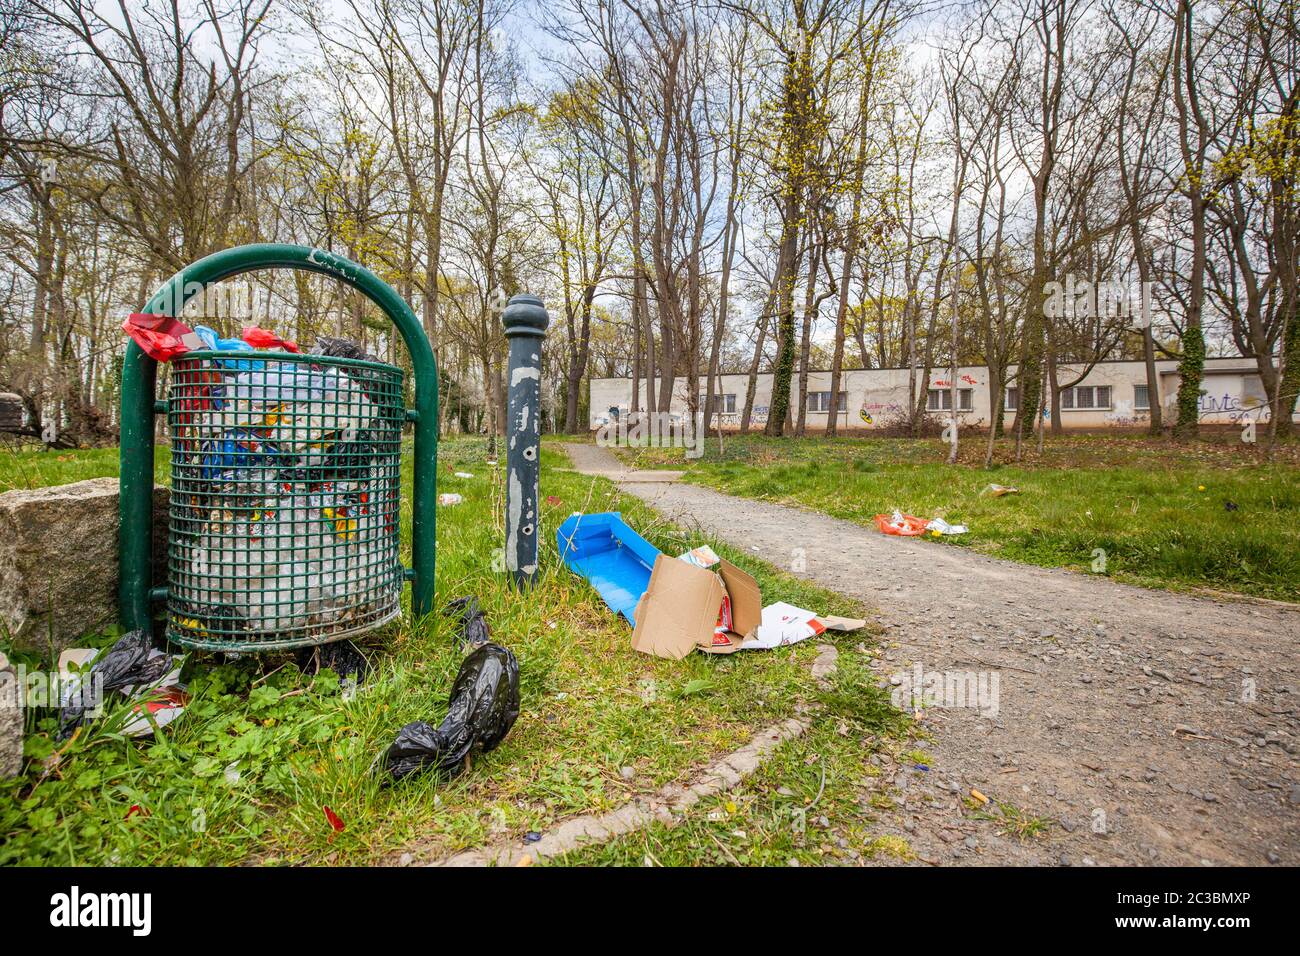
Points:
[724,849]
[821,789]
[276,671]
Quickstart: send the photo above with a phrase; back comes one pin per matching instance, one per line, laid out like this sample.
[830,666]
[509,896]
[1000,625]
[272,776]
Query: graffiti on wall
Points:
[1124,414]
[875,413]
[1229,408]
[947,383]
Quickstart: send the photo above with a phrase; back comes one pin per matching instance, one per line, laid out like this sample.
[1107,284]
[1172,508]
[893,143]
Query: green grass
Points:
[244,774]
[1013,821]
[33,467]
[1212,514]
[815,801]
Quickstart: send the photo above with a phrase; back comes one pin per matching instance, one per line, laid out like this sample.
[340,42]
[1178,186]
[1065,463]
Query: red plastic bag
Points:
[160,336]
[259,338]
[900,524]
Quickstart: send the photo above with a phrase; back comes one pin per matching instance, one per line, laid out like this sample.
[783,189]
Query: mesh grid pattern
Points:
[285,499]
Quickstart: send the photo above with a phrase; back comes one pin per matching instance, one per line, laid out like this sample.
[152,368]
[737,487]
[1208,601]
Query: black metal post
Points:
[525,322]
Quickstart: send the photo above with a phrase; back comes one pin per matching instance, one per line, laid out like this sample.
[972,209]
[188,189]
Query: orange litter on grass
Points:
[901,524]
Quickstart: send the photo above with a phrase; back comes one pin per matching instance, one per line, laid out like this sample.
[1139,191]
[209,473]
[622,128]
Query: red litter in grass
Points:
[334,820]
[554,501]
[136,808]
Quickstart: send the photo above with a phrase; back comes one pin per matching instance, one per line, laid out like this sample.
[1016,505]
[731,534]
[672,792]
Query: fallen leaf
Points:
[334,821]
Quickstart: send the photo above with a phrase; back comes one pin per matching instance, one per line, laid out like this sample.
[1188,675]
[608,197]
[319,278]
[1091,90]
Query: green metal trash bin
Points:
[285,501]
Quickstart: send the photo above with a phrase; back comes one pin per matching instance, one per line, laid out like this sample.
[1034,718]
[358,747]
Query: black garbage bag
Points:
[472,625]
[484,706]
[368,379]
[131,662]
[340,656]
[342,348]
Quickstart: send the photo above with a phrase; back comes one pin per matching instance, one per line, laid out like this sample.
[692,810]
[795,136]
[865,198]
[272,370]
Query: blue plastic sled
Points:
[614,558]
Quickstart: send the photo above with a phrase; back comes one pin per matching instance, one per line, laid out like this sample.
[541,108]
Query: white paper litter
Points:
[783,624]
[943,527]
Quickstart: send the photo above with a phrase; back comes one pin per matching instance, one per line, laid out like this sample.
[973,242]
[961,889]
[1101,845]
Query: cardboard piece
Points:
[746,607]
[835,623]
[679,609]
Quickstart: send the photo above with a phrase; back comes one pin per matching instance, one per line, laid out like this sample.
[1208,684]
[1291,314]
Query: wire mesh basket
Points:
[285,502]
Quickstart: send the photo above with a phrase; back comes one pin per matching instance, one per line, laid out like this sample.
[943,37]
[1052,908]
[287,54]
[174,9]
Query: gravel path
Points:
[1146,726]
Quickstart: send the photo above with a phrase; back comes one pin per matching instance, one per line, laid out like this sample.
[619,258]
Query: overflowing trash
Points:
[483,707]
[132,667]
[285,497]
[262,339]
[342,348]
[697,601]
[214,342]
[164,338]
[161,337]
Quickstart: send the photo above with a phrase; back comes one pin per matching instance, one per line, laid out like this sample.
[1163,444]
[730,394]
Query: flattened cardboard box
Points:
[679,610]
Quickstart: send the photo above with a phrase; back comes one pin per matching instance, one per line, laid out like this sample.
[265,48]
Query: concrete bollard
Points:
[525,322]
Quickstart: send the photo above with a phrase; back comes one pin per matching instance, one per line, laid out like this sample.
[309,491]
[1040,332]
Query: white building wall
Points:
[877,397]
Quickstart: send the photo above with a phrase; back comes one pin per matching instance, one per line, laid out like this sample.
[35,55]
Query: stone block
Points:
[58,561]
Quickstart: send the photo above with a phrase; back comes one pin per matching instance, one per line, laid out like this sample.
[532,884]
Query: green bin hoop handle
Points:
[139,381]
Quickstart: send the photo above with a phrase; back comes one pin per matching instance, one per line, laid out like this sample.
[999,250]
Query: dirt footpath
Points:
[1144,726]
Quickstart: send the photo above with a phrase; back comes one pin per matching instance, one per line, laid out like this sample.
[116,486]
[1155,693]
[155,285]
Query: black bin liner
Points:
[471,624]
[128,663]
[484,705]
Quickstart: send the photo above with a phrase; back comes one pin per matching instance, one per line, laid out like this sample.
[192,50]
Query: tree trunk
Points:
[751,386]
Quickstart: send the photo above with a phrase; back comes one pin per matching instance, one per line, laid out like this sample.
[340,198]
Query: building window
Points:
[1252,392]
[1141,399]
[940,400]
[1085,397]
[821,402]
[1012,400]
[726,404]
